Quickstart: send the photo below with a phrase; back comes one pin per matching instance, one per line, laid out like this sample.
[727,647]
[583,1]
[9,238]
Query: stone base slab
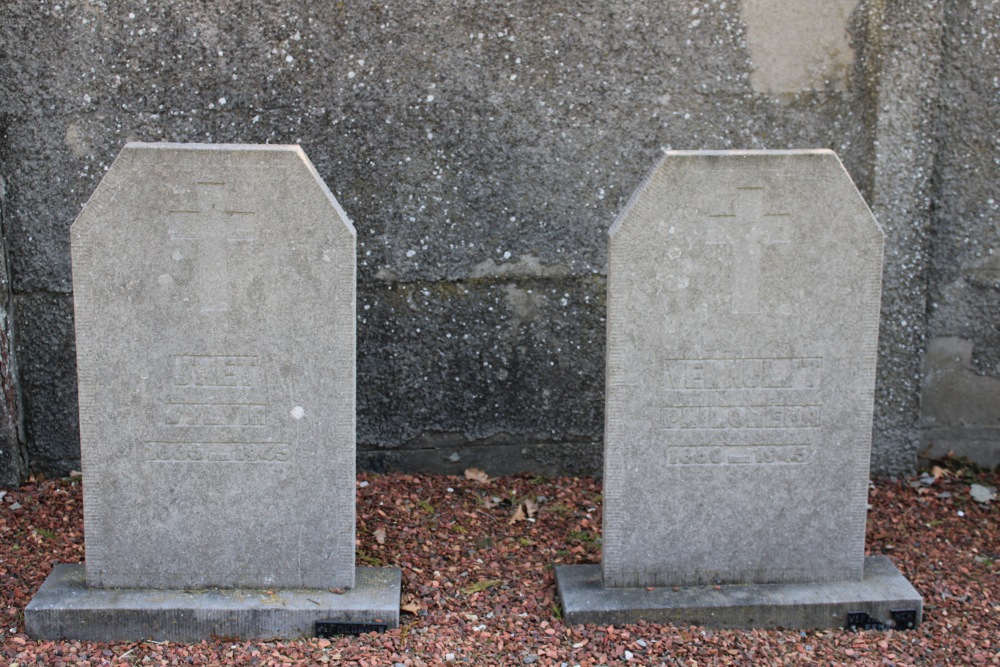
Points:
[882,599]
[65,608]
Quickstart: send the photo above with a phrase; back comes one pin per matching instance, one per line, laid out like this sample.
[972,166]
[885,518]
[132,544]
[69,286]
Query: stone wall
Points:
[482,151]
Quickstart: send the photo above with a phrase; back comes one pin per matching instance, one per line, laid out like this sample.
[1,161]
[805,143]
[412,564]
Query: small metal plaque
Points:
[904,619]
[328,629]
[860,620]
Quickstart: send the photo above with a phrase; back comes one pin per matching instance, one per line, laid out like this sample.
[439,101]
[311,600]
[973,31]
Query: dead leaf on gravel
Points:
[482,585]
[531,507]
[519,515]
[476,475]
[380,535]
[410,608]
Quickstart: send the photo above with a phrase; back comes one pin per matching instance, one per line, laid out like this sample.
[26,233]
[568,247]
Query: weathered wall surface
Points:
[13,457]
[961,397]
[901,60]
[482,151]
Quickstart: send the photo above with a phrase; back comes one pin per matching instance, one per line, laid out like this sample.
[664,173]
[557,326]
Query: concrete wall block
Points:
[501,362]
[48,381]
[906,66]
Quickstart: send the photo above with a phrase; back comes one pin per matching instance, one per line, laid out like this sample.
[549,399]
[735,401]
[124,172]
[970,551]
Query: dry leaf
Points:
[531,507]
[482,585]
[938,472]
[519,515]
[476,475]
[490,503]
[380,535]
[336,591]
[410,608]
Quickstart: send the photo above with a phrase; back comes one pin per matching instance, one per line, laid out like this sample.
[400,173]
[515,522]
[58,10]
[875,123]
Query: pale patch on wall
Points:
[798,46]
[78,146]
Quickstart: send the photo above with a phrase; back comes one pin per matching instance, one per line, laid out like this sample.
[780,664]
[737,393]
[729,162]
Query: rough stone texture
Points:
[743,306]
[798,46]
[960,407]
[881,591]
[65,607]
[901,60]
[496,371]
[452,456]
[458,132]
[13,457]
[48,380]
[961,400]
[215,300]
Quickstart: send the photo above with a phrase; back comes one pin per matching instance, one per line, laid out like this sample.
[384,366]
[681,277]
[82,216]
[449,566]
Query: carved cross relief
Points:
[213,225]
[747,230]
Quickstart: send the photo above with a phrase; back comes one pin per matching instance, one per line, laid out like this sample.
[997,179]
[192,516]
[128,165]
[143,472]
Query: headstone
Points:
[214,291]
[743,310]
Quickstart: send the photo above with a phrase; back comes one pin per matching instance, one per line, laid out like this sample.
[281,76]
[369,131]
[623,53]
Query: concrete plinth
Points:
[65,607]
[883,598]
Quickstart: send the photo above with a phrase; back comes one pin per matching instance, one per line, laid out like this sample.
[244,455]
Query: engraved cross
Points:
[747,229]
[213,224]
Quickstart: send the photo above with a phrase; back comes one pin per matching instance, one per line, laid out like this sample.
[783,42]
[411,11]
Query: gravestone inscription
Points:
[743,309]
[214,292]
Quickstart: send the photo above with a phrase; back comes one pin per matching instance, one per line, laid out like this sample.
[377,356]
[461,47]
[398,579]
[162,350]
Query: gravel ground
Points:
[478,588]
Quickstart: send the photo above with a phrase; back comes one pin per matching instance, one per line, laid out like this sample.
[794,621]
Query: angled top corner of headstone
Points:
[141,166]
[661,187]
